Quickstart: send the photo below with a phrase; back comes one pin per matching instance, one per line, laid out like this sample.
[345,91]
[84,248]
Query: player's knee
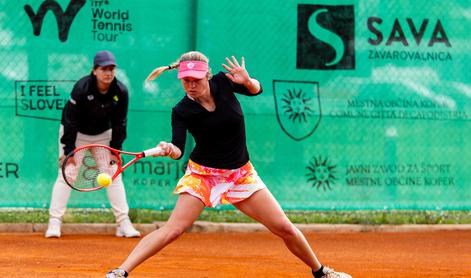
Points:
[174,233]
[286,230]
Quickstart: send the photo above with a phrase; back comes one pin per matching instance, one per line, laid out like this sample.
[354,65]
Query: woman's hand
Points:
[236,73]
[169,149]
[239,75]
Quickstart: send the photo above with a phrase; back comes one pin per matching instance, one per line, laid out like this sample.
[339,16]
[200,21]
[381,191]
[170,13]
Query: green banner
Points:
[366,104]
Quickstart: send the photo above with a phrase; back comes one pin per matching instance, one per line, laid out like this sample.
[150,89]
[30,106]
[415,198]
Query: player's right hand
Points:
[166,147]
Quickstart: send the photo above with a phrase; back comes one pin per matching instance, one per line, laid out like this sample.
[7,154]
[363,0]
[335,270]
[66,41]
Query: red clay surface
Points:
[421,254]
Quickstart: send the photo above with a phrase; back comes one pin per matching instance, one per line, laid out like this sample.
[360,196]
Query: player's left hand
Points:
[236,72]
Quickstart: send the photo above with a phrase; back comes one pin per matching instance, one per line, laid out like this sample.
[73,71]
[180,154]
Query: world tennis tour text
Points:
[107,24]
[9,170]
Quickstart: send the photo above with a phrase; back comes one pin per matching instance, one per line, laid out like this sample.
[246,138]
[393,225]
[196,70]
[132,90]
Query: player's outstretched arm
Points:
[238,74]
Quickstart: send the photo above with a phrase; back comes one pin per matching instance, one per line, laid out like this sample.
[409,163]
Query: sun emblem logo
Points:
[296,105]
[321,173]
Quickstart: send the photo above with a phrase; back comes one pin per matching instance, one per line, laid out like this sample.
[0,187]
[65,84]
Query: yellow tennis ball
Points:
[103,179]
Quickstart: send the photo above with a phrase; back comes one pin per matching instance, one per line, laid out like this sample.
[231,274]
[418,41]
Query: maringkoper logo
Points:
[326,37]
[298,107]
[64,19]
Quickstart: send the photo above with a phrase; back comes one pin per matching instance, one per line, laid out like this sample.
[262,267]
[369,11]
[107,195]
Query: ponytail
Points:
[188,56]
[158,71]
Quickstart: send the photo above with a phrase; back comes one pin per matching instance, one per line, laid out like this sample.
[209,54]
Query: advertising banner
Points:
[366,105]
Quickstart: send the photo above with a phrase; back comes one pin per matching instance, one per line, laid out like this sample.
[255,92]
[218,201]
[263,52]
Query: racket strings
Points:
[83,167]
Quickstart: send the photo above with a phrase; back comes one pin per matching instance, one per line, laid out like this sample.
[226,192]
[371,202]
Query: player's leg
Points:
[186,211]
[262,207]
[119,205]
[59,198]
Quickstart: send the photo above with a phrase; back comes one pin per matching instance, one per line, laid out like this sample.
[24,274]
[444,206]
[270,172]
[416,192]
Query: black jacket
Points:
[90,112]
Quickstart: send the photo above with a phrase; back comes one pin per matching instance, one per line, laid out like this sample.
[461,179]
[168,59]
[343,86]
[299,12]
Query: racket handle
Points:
[153,151]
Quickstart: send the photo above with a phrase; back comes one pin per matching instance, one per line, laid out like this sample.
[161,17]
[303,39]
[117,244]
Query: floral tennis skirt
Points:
[219,186]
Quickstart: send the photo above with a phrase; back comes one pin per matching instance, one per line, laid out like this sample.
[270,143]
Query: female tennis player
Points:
[219,170]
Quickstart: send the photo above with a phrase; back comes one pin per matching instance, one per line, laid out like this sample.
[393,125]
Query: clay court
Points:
[260,254]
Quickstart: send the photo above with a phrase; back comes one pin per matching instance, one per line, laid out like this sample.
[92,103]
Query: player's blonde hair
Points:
[188,56]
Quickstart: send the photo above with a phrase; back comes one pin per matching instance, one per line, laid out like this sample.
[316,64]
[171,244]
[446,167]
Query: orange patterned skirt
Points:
[219,186]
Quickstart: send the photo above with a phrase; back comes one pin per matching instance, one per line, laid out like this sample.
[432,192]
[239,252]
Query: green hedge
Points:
[304,217]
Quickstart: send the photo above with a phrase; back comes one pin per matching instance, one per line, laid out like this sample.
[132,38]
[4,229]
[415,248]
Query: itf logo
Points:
[64,19]
[326,37]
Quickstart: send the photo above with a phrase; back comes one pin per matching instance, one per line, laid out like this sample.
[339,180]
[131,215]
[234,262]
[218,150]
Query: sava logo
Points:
[64,19]
[326,37]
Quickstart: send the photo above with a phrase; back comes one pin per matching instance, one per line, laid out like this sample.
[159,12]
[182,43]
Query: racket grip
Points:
[153,151]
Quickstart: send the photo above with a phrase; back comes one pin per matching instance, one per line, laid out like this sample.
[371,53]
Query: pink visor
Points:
[195,69]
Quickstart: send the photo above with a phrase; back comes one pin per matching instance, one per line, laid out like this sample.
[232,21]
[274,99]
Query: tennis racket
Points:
[81,167]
